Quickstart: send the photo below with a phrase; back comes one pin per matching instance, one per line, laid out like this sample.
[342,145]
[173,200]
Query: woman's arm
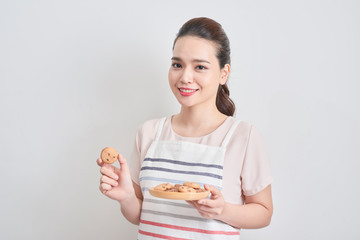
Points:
[255,213]
[131,207]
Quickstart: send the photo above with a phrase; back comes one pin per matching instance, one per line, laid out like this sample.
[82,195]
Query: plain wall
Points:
[77,76]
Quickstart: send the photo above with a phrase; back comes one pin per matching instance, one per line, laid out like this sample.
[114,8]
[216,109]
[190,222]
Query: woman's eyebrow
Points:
[195,60]
[201,60]
[176,59]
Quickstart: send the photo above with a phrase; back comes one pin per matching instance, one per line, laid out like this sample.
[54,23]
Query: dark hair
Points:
[211,30]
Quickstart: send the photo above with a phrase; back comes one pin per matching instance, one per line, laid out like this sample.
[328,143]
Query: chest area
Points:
[178,162]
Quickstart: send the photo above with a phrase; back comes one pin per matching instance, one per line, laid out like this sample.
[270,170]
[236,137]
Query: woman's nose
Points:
[187,76]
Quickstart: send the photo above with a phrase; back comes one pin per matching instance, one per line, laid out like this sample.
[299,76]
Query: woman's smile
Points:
[187,91]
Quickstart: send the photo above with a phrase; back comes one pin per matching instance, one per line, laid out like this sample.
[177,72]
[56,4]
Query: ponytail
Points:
[223,102]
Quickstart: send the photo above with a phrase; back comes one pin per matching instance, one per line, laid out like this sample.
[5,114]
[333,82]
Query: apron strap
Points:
[230,133]
[160,127]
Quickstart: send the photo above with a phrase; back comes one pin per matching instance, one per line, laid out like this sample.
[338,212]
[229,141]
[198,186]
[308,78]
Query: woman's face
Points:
[195,74]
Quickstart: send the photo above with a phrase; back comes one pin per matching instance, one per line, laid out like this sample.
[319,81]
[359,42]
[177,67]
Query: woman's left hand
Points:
[210,208]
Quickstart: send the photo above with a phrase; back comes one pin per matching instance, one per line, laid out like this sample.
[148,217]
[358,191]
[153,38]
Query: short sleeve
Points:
[256,173]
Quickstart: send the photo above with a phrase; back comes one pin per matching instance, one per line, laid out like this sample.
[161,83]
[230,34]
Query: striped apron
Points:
[177,162]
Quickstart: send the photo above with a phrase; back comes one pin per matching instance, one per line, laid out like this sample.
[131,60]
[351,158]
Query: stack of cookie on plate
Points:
[187,187]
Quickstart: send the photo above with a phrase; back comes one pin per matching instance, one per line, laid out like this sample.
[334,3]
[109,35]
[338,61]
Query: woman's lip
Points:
[187,91]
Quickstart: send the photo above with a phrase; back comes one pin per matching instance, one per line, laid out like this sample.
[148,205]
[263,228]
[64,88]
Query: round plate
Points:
[178,195]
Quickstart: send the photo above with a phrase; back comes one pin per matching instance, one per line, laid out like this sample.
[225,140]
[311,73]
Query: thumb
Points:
[213,190]
[122,161]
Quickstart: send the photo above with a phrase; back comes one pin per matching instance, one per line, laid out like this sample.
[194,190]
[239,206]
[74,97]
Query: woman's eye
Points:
[176,65]
[200,67]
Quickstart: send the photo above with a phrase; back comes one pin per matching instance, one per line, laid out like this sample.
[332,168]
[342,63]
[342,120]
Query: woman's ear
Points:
[225,71]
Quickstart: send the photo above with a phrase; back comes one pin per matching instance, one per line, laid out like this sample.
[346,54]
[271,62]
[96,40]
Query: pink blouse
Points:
[246,166]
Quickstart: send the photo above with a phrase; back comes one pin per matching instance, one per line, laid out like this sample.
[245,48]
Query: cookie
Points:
[192,185]
[109,155]
[186,189]
[173,189]
[164,187]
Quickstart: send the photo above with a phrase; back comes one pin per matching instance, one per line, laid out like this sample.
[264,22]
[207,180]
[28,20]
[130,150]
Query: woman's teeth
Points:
[187,90]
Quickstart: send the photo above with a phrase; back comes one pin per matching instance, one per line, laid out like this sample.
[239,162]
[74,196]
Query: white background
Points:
[77,76]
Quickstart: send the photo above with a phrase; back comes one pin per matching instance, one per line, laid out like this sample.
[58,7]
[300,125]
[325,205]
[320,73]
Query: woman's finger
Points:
[104,187]
[211,203]
[213,190]
[99,162]
[205,209]
[109,171]
[200,207]
[121,159]
[107,180]
[192,203]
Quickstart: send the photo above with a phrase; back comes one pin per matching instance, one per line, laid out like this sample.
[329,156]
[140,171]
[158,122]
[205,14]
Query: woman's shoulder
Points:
[149,128]
[241,124]
[244,129]
[150,124]
[247,131]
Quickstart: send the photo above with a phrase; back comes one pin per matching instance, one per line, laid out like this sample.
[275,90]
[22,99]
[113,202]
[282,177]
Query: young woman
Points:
[203,143]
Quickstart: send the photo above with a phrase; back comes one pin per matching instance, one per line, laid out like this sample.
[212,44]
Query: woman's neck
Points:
[197,122]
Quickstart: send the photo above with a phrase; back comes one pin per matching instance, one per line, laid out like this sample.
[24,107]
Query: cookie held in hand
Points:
[109,155]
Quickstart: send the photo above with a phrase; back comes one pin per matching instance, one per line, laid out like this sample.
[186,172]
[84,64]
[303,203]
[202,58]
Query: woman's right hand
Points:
[116,183]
